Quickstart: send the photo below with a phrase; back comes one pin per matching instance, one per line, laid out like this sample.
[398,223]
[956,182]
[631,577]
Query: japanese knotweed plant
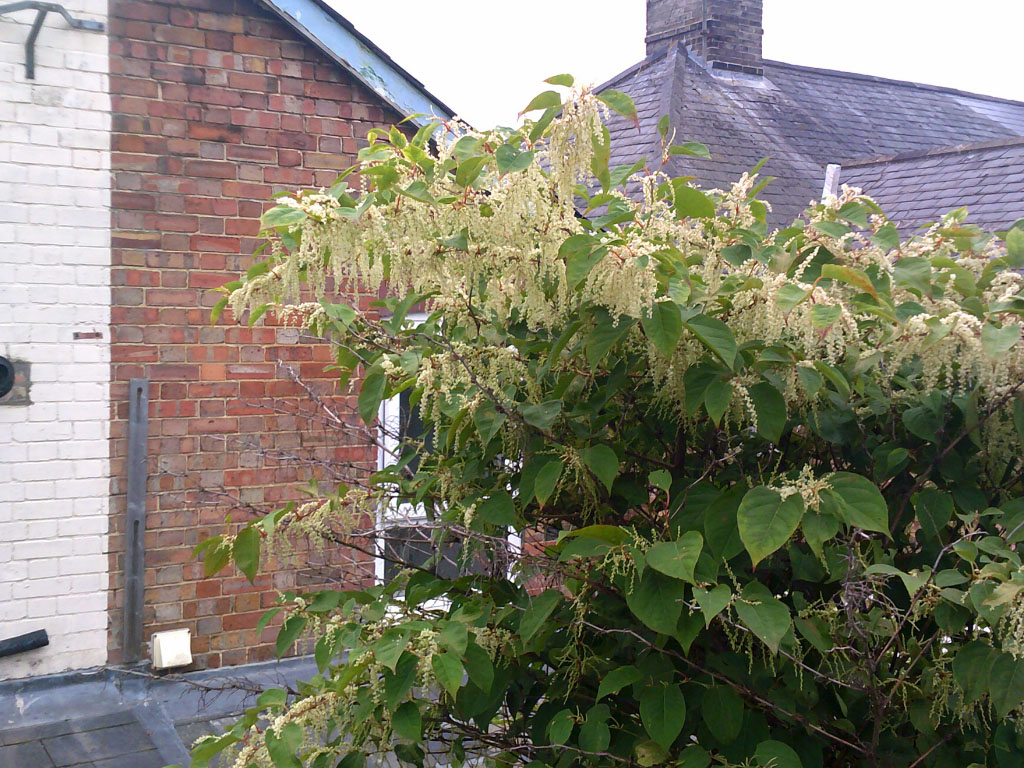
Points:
[767,483]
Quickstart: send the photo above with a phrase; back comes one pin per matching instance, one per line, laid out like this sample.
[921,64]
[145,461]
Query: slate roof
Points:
[801,118]
[918,188]
[128,718]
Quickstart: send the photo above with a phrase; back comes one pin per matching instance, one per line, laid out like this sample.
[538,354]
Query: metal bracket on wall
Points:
[41,10]
[135,528]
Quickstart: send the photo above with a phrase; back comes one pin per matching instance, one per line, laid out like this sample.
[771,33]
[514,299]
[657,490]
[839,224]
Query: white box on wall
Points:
[172,648]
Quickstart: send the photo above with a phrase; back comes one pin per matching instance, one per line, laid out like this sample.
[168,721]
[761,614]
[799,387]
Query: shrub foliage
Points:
[721,495]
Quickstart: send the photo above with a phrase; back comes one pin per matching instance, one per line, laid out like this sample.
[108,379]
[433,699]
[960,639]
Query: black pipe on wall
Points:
[23,643]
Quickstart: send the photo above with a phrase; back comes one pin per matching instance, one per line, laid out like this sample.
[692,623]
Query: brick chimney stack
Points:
[725,34]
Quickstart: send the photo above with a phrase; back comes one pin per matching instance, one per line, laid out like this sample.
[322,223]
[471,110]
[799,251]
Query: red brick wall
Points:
[217,105]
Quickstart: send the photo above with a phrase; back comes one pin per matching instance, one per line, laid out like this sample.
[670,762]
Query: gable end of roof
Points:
[335,35]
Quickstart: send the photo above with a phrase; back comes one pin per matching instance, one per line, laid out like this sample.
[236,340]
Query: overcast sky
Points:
[485,59]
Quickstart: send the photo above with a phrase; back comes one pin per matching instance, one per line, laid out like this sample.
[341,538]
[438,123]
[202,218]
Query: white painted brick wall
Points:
[55,280]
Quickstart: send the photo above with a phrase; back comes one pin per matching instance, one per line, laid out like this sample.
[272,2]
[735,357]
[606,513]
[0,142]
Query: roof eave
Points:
[333,34]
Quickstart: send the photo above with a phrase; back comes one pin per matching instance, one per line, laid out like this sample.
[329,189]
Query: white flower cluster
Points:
[489,252]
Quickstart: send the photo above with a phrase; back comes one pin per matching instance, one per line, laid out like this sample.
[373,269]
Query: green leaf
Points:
[972,667]
[538,610]
[655,600]
[563,80]
[766,520]
[454,637]
[765,616]
[815,630]
[693,756]
[448,670]
[418,191]
[692,148]
[543,415]
[547,479]
[581,253]
[911,581]
[691,203]
[717,397]
[663,712]
[913,273]
[887,237]
[603,462]
[1015,247]
[824,316]
[860,502]
[290,631]
[512,159]
[834,376]
[770,407]
[398,683]
[407,721]
[818,528]
[934,510]
[216,554]
[282,745]
[789,296]
[218,310]
[282,216]
[257,313]
[649,753]
[998,341]
[618,679]
[722,710]
[479,667]
[855,213]
[595,736]
[712,602]
[663,126]
[833,228]
[272,697]
[661,479]
[715,335]
[353,760]
[267,617]
[389,648]
[677,558]
[775,754]
[488,420]
[547,98]
[810,379]
[541,124]
[560,727]
[499,509]
[372,393]
[469,170]
[1006,684]
[619,102]
[604,336]
[720,532]
[923,423]
[664,327]
[850,276]
[246,551]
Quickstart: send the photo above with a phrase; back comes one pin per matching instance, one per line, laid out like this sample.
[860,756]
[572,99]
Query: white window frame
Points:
[389,427]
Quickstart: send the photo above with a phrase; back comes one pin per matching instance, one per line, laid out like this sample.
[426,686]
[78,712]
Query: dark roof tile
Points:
[802,118]
[915,189]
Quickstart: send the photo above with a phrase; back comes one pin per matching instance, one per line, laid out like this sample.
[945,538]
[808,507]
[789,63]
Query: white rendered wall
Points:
[54,282]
